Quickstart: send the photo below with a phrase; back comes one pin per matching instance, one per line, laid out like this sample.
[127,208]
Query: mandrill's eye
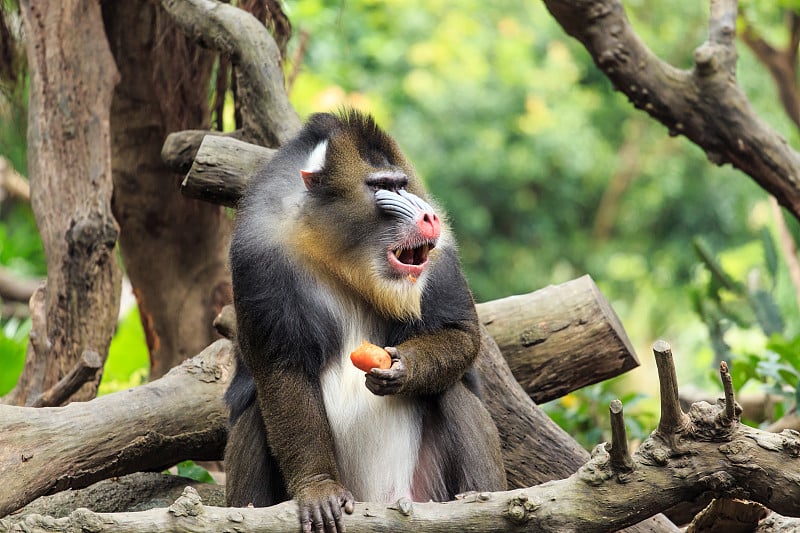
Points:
[387,182]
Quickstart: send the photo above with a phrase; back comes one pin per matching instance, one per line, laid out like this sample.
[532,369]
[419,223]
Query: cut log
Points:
[559,338]
[210,172]
[134,492]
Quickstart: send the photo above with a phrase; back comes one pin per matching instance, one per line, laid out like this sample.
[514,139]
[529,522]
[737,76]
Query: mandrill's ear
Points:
[312,171]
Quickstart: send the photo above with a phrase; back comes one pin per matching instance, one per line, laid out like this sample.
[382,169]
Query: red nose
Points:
[428,225]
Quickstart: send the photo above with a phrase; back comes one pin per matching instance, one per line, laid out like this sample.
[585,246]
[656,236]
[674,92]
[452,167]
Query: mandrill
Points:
[336,242]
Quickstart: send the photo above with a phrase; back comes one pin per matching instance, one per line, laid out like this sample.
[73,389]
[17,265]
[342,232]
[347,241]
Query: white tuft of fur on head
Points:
[316,160]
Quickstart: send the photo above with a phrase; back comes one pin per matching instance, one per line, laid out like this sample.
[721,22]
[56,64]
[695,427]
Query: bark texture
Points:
[182,416]
[72,76]
[268,118]
[134,492]
[535,449]
[175,248]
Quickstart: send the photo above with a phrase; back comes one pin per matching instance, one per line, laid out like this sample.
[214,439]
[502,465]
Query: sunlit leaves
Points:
[13,344]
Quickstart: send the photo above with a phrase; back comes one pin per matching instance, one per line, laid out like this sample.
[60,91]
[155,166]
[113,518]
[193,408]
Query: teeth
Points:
[397,253]
[424,250]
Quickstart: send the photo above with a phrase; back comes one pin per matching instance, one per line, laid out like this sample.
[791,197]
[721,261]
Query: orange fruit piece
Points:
[369,356]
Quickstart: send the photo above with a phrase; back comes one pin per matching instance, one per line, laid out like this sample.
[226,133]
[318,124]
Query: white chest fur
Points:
[377,437]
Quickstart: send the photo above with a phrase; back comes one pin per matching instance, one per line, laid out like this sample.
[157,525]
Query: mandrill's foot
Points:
[321,504]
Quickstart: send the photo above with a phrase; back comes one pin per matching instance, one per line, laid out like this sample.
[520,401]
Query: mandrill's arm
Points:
[284,334]
[294,413]
[433,353]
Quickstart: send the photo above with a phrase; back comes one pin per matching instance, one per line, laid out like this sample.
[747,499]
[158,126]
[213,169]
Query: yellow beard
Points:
[397,298]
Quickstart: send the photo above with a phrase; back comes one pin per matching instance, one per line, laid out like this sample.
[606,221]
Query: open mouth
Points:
[410,260]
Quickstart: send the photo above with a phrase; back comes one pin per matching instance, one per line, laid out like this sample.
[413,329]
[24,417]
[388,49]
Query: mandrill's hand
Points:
[321,505]
[391,380]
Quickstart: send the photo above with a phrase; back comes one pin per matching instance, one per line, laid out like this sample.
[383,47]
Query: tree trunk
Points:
[175,248]
[72,76]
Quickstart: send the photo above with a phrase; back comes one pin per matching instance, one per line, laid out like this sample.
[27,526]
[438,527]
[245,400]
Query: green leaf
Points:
[718,273]
[192,471]
[13,345]
[781,373]
[767,312]
[743,368]
[787,349]
[737,313]
[770,254]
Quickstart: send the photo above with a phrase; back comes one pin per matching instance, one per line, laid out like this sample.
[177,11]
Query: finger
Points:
[381,373]
[375,388]
[305,519]
[335,522]
[392,351]
[376,380]
[390,389]
[319,525]
[347,503]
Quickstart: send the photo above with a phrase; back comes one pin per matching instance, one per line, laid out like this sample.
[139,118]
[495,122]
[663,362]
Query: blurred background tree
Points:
[546,172]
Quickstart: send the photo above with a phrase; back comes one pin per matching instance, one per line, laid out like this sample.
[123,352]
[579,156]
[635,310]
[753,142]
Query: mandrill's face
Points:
[417,229]
[372,210]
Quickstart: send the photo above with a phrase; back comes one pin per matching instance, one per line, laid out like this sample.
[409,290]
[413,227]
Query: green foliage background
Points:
[546,172]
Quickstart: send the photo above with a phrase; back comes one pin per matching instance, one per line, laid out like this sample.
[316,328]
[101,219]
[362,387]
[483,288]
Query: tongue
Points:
[407,257]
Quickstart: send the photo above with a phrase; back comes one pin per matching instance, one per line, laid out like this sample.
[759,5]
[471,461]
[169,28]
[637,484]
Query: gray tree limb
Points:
[267,116]
[706,449]
[151,427]
[705,103]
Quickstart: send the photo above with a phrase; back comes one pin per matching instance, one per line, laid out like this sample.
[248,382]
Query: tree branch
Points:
[180,148]
[84,371]
[705,104]
[788,247]
[12,183]
[267,116]
[618,447]
[180,416]
[221,169]
[140,491]
[559,338]
[781,64]
[728,459]
[673,419]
